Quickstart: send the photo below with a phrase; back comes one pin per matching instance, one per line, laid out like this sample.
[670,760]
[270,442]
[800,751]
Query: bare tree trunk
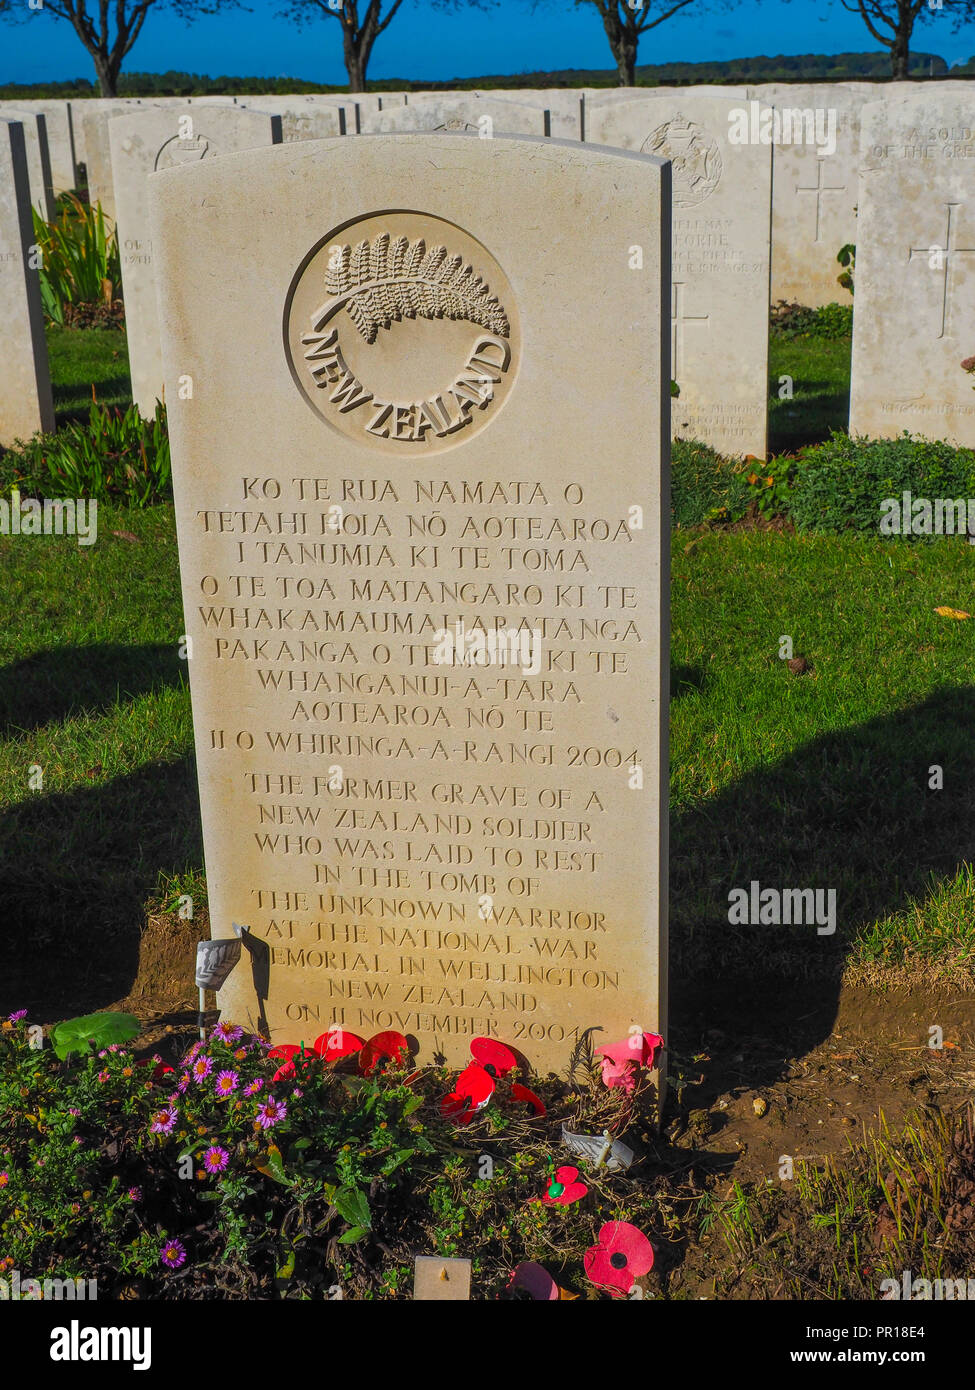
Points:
[626,62]
[900,55]
[107,72]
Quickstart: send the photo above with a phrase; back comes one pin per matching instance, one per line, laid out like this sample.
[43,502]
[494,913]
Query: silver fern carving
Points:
[388,280]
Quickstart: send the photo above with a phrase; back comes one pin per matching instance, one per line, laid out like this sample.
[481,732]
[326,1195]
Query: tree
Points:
[108,31]
[624,22]
[358,37]
[891,22]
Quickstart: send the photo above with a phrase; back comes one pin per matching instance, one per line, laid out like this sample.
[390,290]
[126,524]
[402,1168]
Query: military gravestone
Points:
[423,522]
[915,269]
[472,112]
[721,212]
[25,385]
[144,142]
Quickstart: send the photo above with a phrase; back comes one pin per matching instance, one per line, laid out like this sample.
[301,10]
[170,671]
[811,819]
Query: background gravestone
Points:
[414,419]
[303,119]
[26,404]
[915,269]
[814,196]
[144,142]
[459,112]
[96,153]
[60,138]
[38,159]
[719,310]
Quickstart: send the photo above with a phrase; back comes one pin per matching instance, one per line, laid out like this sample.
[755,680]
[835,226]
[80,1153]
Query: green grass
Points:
[819,780]
[82,356]
[820,372]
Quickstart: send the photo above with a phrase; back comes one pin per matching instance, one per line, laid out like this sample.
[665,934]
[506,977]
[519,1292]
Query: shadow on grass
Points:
[73,403]
[55,685]
[76,869]
[850,811]
[807,419]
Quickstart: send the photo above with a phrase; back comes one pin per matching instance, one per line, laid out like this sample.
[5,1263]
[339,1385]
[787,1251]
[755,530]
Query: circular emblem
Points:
[181,150]
[401,332]
[694,155]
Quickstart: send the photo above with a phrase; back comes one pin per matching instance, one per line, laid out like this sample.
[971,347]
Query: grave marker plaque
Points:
[423,514]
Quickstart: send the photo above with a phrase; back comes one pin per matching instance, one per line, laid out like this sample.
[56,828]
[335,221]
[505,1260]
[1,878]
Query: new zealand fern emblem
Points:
[388,280]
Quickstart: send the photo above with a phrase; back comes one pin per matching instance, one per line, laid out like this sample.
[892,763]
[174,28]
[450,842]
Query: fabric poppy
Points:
[621,1061]
[391,1047]
[337,1043]
[565,1189]
[524,1096]
[496,1059]
[622,1254]
[535,1280]
[472,1091]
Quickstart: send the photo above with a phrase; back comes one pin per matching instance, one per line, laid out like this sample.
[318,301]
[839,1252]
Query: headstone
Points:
[38,159]
[915,269]
[814,191]
[302,119]
[60,139]
[26,405]
[142,143]
[474,112]
[389,459]
[719,309]
[97,152]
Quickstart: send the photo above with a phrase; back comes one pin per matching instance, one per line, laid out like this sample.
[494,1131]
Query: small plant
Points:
[846,256]
[116,457]
[80,270]
[830,321]
[771,485]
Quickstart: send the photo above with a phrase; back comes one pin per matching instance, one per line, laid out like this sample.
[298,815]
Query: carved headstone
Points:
[423,529]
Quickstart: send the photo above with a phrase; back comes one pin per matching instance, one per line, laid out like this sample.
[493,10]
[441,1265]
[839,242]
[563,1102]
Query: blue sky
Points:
[426,43]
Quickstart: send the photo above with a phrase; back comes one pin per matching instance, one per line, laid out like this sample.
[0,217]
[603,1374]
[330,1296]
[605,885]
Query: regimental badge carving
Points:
[182,150]
[694,155]
[400,333]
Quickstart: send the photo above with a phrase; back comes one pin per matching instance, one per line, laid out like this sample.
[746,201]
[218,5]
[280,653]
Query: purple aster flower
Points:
[183,1082]
[193,1051]
[173,1254]
[103,1076]
[226,1083]
[73,1111]
[164,1120]
[135,1193]
[215,1159]
[202,1067]
[270,1112]
[228,1032]
[252,1087]
[297,1093]
[15,1018]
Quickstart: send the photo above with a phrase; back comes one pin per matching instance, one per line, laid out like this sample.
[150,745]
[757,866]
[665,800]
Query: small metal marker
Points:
[435,1278]
[607,1145]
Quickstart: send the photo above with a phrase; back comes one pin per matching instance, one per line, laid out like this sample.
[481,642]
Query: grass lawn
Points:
[80,357]
[820,373]
[812,780]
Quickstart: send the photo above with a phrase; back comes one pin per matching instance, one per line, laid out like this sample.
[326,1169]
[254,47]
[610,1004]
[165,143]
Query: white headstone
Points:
[473,112]
[38,158]
[914,320]
[60,139]
[142,143]
[719,311]
[418,845]
[26,404]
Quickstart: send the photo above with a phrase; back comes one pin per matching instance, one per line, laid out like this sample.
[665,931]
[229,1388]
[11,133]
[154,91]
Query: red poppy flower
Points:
[496,1059]
[336,1044]
[390,1046]
[522,1093]
[621,1255]
[621,1061]
[161,1070]
[536,1280]
[294,1057]
[565,1188]
[472,1091]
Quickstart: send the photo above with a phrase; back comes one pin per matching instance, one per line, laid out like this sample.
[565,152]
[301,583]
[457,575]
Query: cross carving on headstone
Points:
[677,320]
[946,261]
[819,189]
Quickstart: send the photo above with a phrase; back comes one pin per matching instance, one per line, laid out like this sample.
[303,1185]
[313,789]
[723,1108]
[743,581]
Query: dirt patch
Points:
[163,995]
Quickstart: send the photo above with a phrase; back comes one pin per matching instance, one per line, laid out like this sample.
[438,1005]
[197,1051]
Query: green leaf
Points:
[305,1143]
[353,1234]
[353,1206]
[274,1166]
[98,1030]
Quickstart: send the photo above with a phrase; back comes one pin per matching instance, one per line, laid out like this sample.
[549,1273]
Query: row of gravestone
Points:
[420,420]
[906,162]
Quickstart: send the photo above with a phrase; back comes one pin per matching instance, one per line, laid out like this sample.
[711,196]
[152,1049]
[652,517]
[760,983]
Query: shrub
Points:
[793,320]
[705,486]
[840,484]
[80,272]
[115,456]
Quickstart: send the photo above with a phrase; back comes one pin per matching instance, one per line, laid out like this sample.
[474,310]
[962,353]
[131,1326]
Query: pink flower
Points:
[164,1120]
[103,1076]
[135,1194]
[215,1159]
[270,1112]
[173,1254]
[226,1083]
[252,1087]
[201,1068]
[622,1061]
